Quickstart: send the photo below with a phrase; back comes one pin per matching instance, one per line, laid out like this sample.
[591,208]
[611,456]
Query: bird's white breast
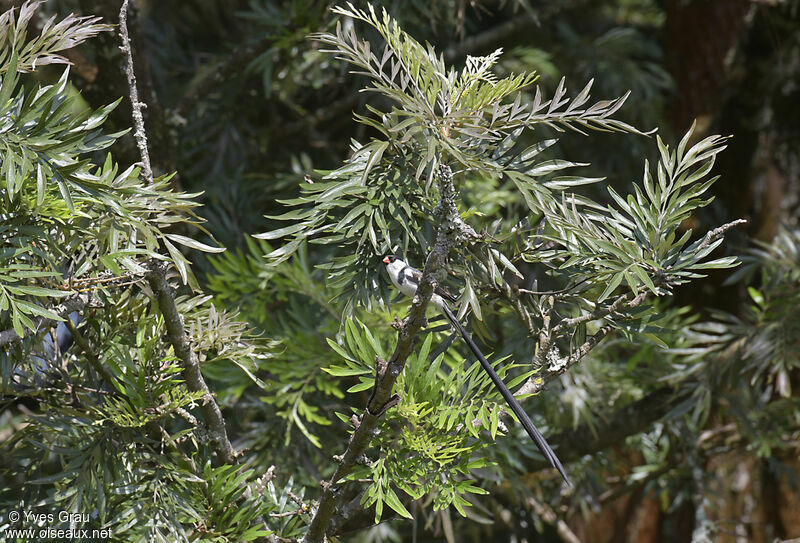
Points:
[404,280]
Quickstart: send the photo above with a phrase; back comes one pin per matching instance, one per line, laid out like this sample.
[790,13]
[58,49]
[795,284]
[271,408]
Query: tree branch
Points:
[536,384]
[713,235]
[451,230]
[487,38]
[89,352]
[551,517]
[136,105]
[614,307]
[191,366]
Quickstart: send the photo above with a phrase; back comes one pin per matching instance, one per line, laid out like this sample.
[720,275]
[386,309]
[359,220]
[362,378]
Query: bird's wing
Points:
[414,273]
[416,276]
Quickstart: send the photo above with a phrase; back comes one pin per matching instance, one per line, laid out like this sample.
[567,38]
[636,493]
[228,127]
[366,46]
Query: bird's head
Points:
[393,264]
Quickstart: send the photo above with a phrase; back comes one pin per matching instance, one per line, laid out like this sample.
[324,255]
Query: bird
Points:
[406,279]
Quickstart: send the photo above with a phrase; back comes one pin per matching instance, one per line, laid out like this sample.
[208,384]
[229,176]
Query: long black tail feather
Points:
[512,402]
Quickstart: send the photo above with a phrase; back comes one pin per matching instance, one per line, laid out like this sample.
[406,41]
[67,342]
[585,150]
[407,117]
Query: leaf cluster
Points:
[637,242]
[381,200]
[431,442]
[59,206]
[18,51]
[295,388]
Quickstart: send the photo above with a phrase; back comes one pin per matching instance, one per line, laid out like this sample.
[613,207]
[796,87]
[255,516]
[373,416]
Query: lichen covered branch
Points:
[191,365]
[136,105]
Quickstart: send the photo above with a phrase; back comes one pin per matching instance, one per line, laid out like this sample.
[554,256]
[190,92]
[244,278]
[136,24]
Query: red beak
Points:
[385,259]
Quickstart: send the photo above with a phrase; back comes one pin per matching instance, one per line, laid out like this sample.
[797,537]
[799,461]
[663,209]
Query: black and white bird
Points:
[406,279]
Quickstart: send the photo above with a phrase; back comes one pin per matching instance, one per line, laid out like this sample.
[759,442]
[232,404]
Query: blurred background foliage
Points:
[697,441]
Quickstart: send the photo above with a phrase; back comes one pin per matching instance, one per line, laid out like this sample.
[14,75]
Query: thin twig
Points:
[536,384]
[296,499]
[630,486]
[551,517]
[136,105]
[500,33]
[156,276]
[546,334]
[602,312]
[552,292]
[287,513]
[713,235]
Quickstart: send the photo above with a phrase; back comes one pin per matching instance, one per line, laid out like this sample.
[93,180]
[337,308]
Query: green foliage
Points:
[229,517]
[54,199]
[764,334]
[442,411]
[225,343]
[638,243]
[733,368]
[382,200]
[19,52]
[123,450]
[297,388]
[113,432]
